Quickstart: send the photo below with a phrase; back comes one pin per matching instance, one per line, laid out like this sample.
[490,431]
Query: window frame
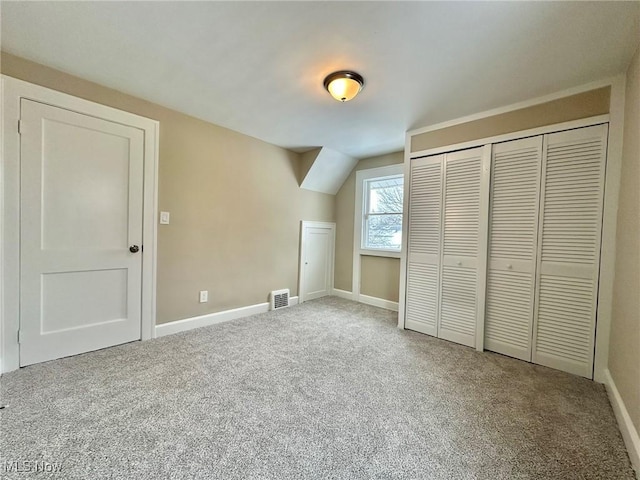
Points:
[363,177]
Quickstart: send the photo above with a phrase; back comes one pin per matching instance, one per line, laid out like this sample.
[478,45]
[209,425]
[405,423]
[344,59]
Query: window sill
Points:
[379,253]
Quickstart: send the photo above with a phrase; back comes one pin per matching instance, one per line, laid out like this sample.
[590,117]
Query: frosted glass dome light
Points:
[344,85]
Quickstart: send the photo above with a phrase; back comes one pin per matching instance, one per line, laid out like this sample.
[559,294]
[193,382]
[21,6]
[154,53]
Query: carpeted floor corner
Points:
[330,389]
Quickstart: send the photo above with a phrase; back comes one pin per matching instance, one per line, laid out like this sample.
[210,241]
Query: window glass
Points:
[383,213]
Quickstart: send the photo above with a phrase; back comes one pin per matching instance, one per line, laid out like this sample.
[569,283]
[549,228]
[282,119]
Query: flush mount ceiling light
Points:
[344,85]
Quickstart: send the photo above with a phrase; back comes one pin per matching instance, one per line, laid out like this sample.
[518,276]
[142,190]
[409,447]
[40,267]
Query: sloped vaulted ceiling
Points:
[258,67]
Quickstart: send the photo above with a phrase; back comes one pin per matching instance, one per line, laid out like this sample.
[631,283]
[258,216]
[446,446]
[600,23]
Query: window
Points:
[383,213]
[379,211]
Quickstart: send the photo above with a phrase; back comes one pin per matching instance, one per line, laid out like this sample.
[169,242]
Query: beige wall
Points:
[382,273]
[234,201]
[624,347]
[582,105]
[380,277]
[306,162]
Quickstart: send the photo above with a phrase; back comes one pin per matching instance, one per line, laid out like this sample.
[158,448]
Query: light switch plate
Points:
[164,218]
[204,296]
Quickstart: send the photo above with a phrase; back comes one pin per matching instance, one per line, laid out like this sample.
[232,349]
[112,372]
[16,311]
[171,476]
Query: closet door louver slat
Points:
[462,202]
[422,298]
[569,250]
[513,230]
[423,259]
[458,311]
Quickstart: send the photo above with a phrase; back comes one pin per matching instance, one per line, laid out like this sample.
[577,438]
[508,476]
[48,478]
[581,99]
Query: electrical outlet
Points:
[204,296]
[164,218]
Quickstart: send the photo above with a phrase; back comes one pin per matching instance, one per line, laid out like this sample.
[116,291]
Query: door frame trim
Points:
[12,91]
[308,224]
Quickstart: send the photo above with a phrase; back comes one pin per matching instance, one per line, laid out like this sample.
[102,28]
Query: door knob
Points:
[134,248]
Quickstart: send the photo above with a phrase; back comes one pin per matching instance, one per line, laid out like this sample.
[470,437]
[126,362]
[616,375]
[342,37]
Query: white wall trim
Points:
[304,224]
[151,226]
[609,227]
[379,302]
[185,324]
[532,132]
[483,245]
[627,428]
[13,90]
[402,294]
[366,299]
[358,251]
[372,252]
[342,294]
[515,106]
[3,330]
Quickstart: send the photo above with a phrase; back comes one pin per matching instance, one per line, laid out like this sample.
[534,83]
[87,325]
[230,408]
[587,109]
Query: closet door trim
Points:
[483,244]
[532,132]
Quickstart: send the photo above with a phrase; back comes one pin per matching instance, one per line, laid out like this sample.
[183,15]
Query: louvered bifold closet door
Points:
[513,231]
[464,225]
[569,249]
[423,256]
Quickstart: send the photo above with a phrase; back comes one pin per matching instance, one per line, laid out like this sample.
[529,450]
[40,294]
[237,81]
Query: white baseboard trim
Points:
[374,301]
[379,302]
[627,428]
[213,318]
[342,294]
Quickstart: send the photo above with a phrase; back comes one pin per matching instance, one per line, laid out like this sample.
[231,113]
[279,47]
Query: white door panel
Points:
[317,275]
[317,268]
[83,202]
[509,313]
[81,209]
[569,251]
[447,234]
[458,305]
[423,264]
[513,232]
[461,246]
[81,299]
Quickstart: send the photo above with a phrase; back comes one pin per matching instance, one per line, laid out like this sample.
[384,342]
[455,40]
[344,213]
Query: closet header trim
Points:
[558,127]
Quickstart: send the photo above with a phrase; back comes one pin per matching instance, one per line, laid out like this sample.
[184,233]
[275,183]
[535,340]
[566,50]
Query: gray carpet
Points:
[326,390]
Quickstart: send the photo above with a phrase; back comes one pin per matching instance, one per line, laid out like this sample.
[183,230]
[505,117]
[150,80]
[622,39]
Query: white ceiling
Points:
[257,67]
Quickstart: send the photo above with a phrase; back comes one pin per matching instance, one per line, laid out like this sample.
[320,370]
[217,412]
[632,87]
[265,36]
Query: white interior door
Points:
[423,256]
[513,222]
[80,212]
[318,244]
[569,249]
[464,224]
